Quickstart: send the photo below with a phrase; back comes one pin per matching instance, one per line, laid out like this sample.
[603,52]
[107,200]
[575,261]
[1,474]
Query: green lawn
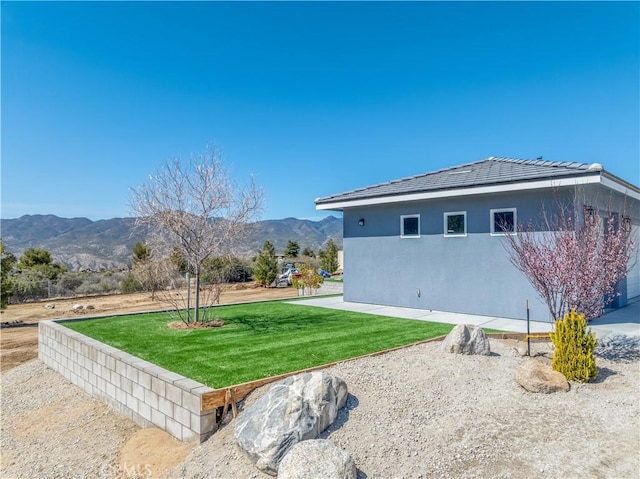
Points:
[258,340]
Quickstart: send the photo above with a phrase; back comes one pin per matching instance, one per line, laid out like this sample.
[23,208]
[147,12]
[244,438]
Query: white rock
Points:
[317,459]
[295,409]
[467,339]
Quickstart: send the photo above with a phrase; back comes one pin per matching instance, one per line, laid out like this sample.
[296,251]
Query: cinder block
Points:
[189,436]
[174,428]
[101,358]
[110,389]
[158,386]
[126,385]
[144,379]
[141,364]
[138,392]
[165,406]
[158,419]
[173,393]
[110,362]
[139,420]
[208,425]
[132,403]
[151,398]
[182,415]
[154,370]
[101,384]
[115,378]
[187,384]
[190,402]
[119,354]
[121,368]
[121,396]
[170,377]
[144,410]
[132,373]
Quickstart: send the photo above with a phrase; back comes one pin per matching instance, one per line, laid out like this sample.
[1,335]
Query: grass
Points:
[258,340]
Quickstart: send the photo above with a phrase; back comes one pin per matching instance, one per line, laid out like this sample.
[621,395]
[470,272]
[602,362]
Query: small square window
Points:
[410,226]
[503,221]
[455,223]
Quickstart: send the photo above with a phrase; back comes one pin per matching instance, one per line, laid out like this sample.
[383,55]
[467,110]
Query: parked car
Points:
[287,275]
[324,273]
[287,266]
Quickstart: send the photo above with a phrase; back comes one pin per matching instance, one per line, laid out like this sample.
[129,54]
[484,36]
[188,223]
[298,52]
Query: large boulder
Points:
[295,409]
[467,339]
[317,459]
[538,377]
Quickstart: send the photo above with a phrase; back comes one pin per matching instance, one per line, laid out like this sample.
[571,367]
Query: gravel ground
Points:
[413,413]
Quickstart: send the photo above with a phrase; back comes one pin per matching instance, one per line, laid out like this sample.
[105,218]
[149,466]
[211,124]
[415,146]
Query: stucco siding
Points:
[468,274]
[473,276]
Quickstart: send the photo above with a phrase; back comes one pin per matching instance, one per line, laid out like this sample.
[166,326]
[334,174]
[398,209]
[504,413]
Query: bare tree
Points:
[575,258]
[154,273]
[197,208]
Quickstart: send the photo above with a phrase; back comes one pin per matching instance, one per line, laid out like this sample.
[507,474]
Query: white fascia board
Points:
[614,185]
[479,190]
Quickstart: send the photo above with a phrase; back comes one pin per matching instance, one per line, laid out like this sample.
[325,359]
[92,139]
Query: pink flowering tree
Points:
[576,258]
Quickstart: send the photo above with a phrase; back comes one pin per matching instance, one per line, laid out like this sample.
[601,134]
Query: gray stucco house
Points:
[433,241]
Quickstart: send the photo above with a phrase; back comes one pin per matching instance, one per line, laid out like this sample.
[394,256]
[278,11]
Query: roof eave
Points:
[607,180]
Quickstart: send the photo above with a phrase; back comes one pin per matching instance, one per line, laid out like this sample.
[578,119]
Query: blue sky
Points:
[311,98]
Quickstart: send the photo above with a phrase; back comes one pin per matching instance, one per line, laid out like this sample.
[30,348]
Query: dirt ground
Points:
[19,344]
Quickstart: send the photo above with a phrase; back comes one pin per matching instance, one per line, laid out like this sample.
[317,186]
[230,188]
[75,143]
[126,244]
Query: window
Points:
[455,223]
[410,226]
[503,221]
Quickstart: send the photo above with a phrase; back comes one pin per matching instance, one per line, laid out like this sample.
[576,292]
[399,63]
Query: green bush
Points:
[130,285]
[573,355]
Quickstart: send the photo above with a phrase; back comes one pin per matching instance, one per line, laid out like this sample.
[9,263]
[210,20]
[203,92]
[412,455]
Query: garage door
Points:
[633,277]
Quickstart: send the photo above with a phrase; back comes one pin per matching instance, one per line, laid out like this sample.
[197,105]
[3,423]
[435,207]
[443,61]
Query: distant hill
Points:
[81,243]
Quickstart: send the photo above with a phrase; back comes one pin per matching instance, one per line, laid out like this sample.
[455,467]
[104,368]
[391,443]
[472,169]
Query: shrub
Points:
[68,282]
[573,355]
[130,284]
[309,279]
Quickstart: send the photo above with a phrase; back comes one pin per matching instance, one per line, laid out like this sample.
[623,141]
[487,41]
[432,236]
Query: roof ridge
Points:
[540,162]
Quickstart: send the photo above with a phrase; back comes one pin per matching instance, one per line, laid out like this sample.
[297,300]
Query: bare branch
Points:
[196,207]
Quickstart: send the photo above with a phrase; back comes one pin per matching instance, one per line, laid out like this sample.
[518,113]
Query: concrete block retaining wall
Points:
[145,393]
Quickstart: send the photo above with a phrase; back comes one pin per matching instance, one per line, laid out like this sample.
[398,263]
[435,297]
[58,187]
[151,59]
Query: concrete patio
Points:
[620,321]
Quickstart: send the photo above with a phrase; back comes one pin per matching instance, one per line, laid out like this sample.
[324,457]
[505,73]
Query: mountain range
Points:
[80,243]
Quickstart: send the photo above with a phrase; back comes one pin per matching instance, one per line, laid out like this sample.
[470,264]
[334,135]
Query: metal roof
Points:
[491,171]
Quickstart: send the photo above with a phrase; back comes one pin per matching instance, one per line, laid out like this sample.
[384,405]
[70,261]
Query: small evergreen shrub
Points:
[573,354]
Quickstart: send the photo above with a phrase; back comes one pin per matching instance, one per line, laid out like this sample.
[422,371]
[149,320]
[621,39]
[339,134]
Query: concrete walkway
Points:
[621,321]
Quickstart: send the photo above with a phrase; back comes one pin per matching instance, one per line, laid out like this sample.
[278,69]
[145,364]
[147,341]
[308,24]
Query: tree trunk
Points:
[197,298]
